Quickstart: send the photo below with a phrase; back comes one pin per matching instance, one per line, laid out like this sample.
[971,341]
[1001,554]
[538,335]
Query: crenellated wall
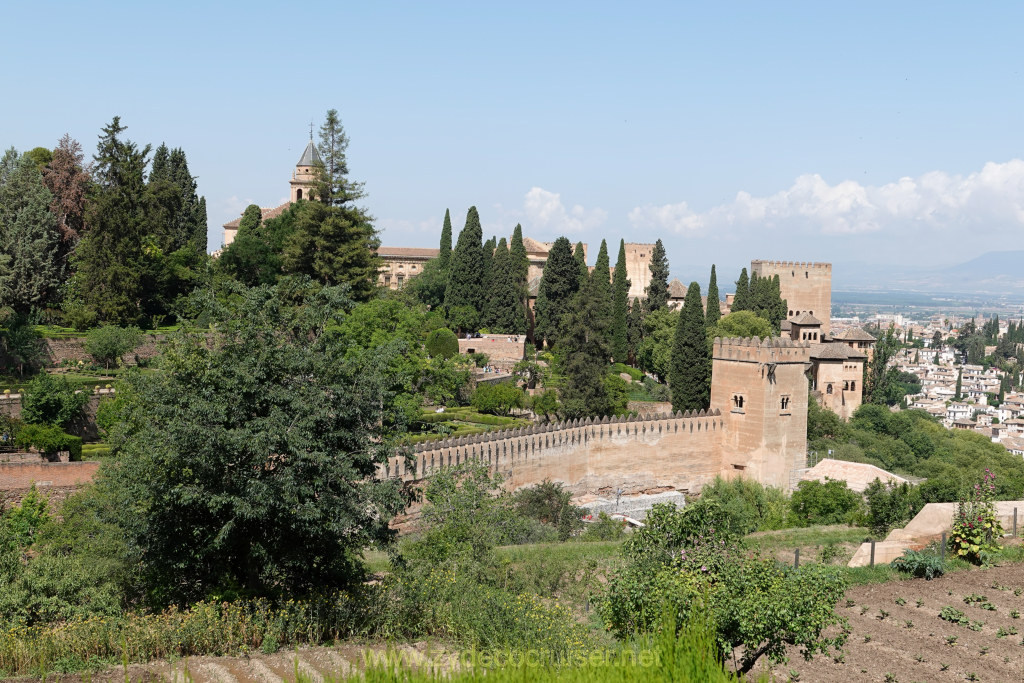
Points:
[636,453]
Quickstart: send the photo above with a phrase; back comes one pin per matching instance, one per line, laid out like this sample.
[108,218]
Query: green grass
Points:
[95,451]
[807,536]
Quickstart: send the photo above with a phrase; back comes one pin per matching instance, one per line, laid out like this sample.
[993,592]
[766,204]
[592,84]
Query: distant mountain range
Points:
[994,273]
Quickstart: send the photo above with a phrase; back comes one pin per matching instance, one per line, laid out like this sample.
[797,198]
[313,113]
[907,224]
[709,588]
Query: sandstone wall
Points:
[635,454]
[73,349]
[21,475]
[806,287]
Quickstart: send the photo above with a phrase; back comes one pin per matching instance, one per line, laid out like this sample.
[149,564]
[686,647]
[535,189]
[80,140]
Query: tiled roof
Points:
[532,245]
[268,213]
[835,352]
[413,252]
[806,319]
[853,334]
[676,289]
[310,157]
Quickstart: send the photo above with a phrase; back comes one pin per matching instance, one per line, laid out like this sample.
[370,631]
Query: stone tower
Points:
[761,386]
[304,176]
[806,287]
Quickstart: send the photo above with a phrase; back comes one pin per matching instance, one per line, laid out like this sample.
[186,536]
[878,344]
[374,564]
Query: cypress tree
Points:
[690,370]
[959,384]
[520,273]
[657,290]
[580,254]
[620,308]
[444,254]
[636,327]
[506,309]
[487,313]
[584,351]
[464,297]
[603,292]
[714,310]
[741,300]
[558,286]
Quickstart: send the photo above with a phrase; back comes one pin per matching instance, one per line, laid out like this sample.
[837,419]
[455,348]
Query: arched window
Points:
[828,389]
[298,194]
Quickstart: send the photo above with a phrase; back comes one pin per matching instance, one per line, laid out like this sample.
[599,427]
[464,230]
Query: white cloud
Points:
[545,211]
[987,203]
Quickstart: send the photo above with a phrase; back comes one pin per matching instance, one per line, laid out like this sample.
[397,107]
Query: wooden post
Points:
[796,559]
[872,553]
[1015,522]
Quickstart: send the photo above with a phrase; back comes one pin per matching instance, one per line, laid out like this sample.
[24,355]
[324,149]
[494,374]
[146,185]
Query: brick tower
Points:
[806,287]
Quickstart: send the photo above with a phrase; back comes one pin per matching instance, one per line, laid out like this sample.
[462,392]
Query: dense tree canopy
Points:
[657,290]
[620,307]
[558,286]
[690,370]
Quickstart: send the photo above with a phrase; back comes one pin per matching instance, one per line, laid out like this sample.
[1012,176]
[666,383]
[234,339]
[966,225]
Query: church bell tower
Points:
[304,175]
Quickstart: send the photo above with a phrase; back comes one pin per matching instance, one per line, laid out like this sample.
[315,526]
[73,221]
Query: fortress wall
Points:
[806,287]
[85,427]
[628,453]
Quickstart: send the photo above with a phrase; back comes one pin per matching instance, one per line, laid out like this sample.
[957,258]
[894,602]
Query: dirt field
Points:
[908,642]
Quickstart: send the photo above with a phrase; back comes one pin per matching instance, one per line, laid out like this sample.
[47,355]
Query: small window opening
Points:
[298,194]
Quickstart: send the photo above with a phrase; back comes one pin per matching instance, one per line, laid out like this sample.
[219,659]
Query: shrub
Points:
[921,565]
[604,529]
[52,399]
[831,502]
[498,398]
[549,503]
[108,343]
[442,343]
[749,505]
[891,505]
[49,440]
[545,403]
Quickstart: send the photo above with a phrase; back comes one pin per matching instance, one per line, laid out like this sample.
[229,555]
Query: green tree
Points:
[444,254]
[959,384]
[603,291]
[504,303]
[558,286]
[690,373]
[333,186]
[466,276]
[741,300]
[108,262]
[881,382]
[178,213]
[498,399]
[830,502]
[442,343]
[108,343]
[620,308]
[30,243]
[654,354]
[549,503]
[635,328]
[714,309]
[487,312]
[334,245]
[40,156]
[583,353]
[247,467]
[255,256]
[52,400]
[657,290]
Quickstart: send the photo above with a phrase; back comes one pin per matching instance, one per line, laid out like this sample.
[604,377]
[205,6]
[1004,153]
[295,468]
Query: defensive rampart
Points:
[680,450]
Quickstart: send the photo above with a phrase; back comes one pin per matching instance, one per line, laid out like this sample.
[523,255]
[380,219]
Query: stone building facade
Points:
[806,287]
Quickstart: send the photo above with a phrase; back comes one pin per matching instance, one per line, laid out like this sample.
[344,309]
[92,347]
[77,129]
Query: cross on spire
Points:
[310,130]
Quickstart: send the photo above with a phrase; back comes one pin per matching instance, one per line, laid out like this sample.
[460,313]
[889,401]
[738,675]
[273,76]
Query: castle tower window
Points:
[298,194]
[737,402]
[784,403]
[401,280]
[828,389]
[853,385]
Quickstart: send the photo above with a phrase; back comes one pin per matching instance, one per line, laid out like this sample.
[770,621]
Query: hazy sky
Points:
[884,132]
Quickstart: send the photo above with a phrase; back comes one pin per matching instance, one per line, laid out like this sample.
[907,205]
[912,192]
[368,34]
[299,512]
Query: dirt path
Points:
[909,642]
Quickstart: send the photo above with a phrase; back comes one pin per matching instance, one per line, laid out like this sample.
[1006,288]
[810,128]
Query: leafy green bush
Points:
[635,374]
[976,529]
[498,398]
[549,503]
[604,529]
[442,343]
[52,399]
[921,565]
[748,505]
[48,440]
[891,505]
[108,343]
[830,502]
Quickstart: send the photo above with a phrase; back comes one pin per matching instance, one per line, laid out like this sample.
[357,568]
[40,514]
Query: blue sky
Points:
[871,132]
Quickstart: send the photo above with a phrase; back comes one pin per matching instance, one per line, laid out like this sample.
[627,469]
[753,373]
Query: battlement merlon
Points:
[756,265]
[753,350]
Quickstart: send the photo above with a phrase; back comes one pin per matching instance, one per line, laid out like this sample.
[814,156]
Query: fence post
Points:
[796,559]
[1015,522]
[942,548]
[872,553]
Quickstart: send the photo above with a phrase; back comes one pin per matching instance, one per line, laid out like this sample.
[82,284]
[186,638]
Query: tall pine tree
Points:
[603,292]
[580,254]
[464,297]
[444,254]
[690,370]
[657,290]
[714,308]
[333,186]
[558,286]
[620,307]
[520,272]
